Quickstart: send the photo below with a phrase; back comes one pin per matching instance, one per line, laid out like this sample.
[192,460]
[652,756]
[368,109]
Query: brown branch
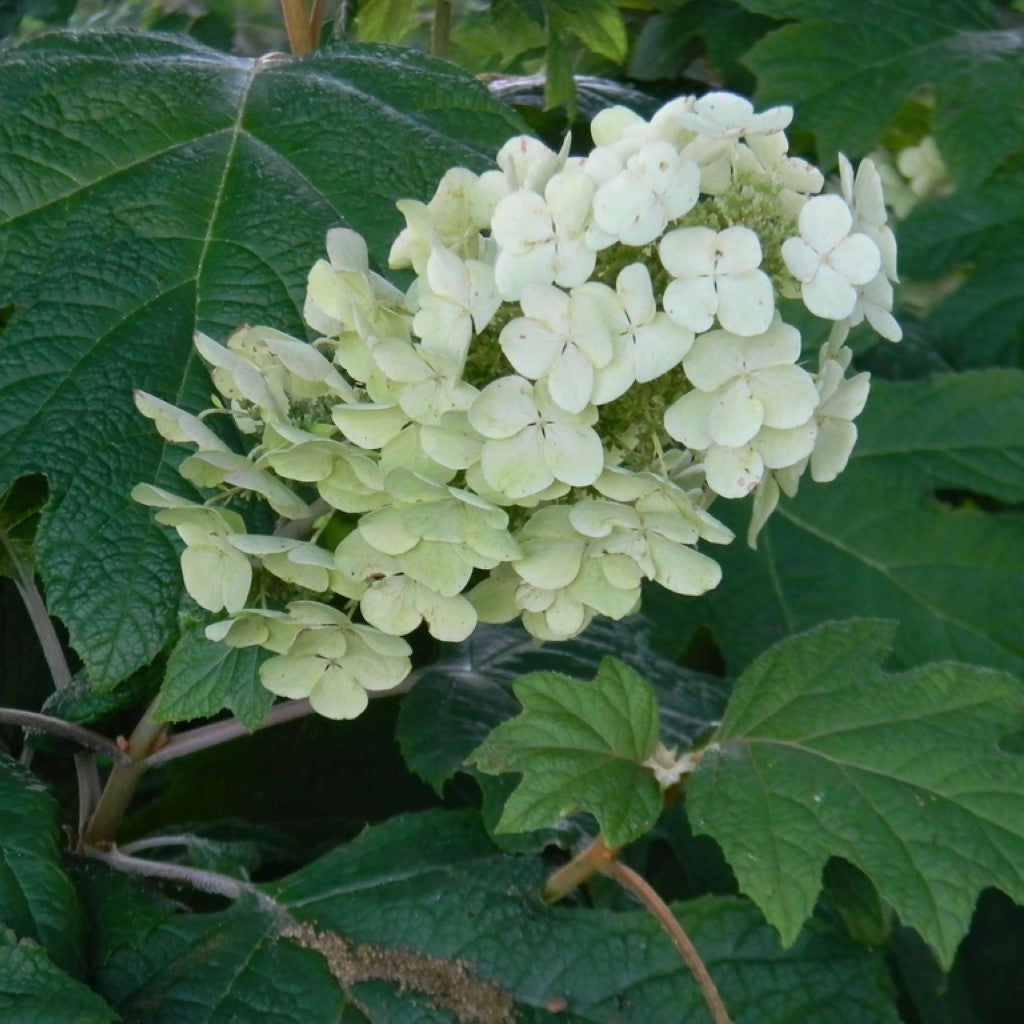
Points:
[639,887]
[572,875]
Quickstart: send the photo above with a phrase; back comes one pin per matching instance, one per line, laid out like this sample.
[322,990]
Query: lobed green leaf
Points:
[204,677]
[822,753]
[579,746]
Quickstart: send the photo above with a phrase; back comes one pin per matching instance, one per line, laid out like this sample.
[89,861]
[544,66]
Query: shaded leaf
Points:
[822,753]
[925,525]
[37,900]
[34,990]
[218,968]
[432,883]
[977,232]
[847,68]
[194,192]
[579,746]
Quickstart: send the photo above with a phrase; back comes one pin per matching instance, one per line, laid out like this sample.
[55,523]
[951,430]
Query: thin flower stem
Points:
[68,730]
[639,887]
[120,788]
[197,878]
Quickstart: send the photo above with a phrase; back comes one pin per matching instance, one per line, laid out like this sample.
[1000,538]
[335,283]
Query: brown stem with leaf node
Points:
[598,858]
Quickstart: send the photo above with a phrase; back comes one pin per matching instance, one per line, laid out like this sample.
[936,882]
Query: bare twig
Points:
[211,735]
[53,651]
[641,889]
[67,730]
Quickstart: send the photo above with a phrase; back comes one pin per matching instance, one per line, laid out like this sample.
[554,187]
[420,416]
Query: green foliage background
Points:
[155,184]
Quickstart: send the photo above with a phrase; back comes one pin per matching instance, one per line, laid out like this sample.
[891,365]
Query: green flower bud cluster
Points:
[591,352]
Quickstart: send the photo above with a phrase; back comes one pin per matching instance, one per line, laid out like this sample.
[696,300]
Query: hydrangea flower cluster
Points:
[592,350]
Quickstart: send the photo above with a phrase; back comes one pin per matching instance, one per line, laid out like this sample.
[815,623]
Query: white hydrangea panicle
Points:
[829,258]
[715,275]
[542,238]
[646,342]
[588,357]
[334,662]
[655,187]
[751,407]
[724,115]
[563,339]
[459,300]
[343,294]
[216,575]
[528,164]
[530,441]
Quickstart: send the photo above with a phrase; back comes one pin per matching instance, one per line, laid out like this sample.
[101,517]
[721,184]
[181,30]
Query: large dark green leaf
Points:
[823,753]
[37,899]
[847,68]
[33,990]
[152,187]
[925,525]
[432,885]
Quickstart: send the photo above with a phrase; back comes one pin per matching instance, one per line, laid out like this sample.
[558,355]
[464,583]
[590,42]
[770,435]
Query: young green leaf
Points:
[823,753]
[579,746]
[847,68]
[37,899]
[204,677]
[460,698]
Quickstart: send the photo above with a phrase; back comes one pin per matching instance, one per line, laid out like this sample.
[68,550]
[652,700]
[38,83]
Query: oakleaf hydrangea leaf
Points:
[847,68]
[194,193]
[823,753]
[433,885]
[579,746]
